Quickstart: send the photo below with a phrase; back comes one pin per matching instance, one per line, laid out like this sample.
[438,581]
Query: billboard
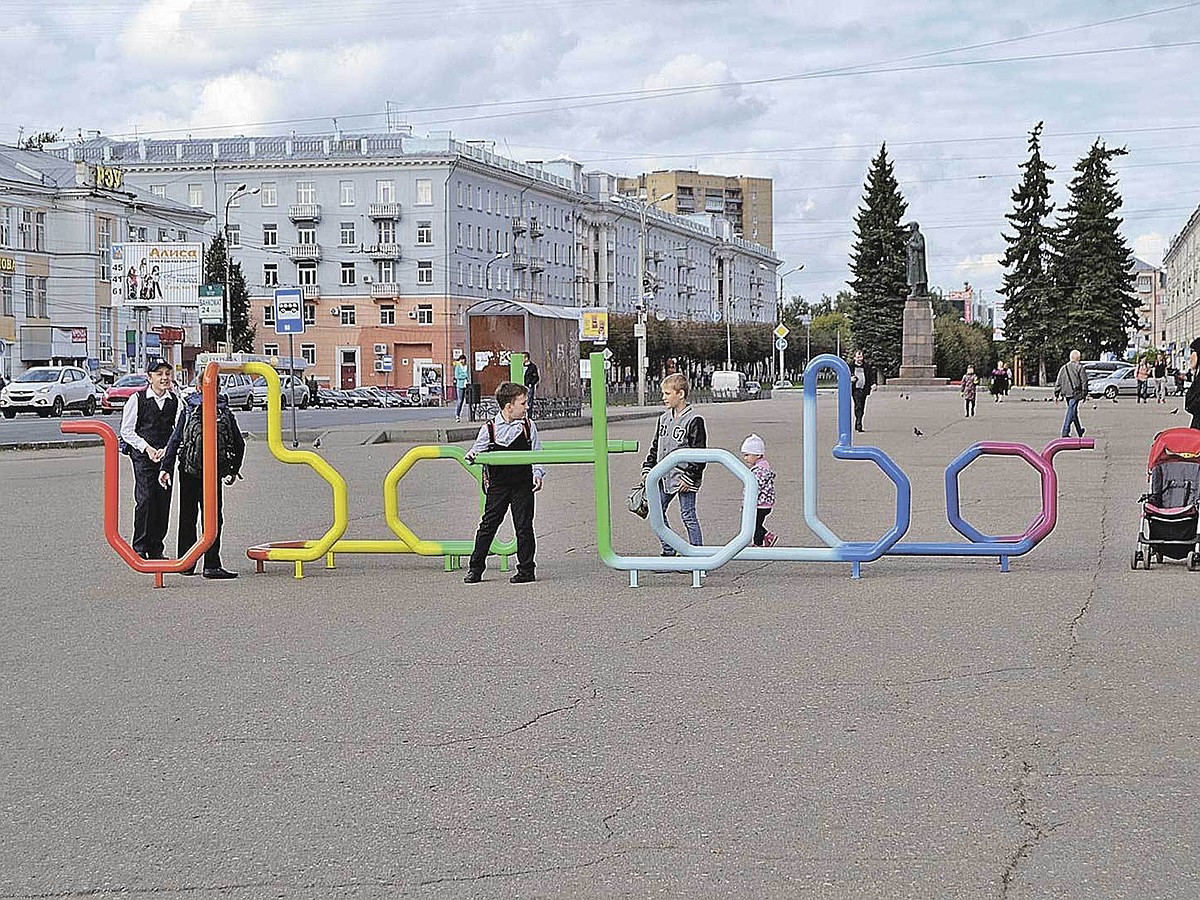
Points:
[593,324]
[162,274]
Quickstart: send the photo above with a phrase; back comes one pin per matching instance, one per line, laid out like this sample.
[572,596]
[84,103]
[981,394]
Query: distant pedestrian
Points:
[461,376]
[970,386]
[1072,384]
[1142,377]
[149,417]
[1001,377]
[1180,382]
[862,382]
[1160,378]
[680,427]
[186,447]
[532,377]
[754,454]
[1192,402]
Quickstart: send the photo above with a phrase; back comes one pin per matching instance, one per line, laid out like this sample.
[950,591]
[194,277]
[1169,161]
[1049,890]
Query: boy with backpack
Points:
[186,445]
[507,486]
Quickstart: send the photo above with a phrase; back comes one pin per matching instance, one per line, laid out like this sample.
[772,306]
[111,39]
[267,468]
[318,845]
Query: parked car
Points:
[331,397]
[123,388]
[363,397]
[292,391]
[1101,368]
[49,391]
[729,386]
[1119,382]
[237,388]
[753,390]
[385,398]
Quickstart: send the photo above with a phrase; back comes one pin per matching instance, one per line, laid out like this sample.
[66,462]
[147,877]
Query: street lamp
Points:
[487,271]
[644,296]
[731,305]
[235,195]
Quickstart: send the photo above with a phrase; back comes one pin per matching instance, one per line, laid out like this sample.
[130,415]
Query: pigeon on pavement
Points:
[918,432]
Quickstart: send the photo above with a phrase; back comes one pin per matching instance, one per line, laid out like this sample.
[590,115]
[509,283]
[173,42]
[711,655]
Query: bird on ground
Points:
[917,432]
[1114,399]
[1175,411]
[317,444]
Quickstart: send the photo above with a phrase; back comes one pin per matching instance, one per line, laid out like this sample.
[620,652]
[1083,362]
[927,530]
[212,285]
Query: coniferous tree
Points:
[239,298]
[879,263]
[1093,270]
[1032,317]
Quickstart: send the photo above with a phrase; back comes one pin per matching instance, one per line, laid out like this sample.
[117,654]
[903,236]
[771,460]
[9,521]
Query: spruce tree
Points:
[1093,269]
[879,263]
[239,298]
[1032,318]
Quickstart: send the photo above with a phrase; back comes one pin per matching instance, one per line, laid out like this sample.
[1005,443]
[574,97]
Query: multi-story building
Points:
[1181,306]
[746,202]
[58,221]
[392,238]
[1150,331]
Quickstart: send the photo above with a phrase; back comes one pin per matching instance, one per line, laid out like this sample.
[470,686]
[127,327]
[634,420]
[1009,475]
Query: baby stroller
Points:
[1171,505]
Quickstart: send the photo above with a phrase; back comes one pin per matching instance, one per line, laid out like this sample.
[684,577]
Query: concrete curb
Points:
[66,444]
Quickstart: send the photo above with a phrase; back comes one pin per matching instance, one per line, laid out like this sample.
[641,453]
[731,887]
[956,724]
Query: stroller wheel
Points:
[1135,559]
[1146,559]
[1193,561]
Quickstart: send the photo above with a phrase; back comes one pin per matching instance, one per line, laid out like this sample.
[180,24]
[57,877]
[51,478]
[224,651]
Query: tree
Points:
[958,344]
[238,298]
[39,140]
[1032,316]
[879,264]
[1093,271]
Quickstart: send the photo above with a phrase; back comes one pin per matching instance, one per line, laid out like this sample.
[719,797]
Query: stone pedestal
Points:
[916,356]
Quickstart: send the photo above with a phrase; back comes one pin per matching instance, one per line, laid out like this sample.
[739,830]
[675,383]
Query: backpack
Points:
[191,444]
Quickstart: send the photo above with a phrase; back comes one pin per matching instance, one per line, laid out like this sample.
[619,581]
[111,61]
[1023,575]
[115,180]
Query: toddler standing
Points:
[754,454]
[970,385]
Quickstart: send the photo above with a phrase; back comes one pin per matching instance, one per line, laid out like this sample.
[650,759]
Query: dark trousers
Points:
[152,509]
[191,498]
[500,497]
[1143,392]
[860,407]
[970,404]
[760,525]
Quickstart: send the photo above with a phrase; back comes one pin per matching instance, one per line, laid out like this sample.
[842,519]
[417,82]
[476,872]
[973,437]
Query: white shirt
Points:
[129,417]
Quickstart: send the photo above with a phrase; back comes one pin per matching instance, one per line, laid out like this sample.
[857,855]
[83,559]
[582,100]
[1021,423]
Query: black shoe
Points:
[473,577]
[668,553]
[219,574]
[522,578]
[188,572]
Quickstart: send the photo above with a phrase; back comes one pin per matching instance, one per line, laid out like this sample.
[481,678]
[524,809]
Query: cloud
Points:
[1150,247]
[985,266]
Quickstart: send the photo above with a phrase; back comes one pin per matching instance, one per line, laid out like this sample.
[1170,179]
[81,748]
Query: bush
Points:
[958,344]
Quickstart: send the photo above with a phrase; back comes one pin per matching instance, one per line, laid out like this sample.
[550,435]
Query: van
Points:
[728,386]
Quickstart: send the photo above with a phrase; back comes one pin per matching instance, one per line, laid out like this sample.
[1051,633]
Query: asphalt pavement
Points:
[935,729]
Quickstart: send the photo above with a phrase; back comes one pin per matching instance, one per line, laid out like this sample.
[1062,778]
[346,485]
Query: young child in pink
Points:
[754,454]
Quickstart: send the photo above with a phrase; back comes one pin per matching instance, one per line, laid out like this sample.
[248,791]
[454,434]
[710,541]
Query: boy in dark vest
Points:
[146,425]
[186,446]
[507,486]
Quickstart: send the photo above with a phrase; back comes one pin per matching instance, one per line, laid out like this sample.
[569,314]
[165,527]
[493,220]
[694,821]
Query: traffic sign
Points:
[289,311]
[716,315]
[385,364]
[608,354]
[781,343]
[782,331]
[212,308]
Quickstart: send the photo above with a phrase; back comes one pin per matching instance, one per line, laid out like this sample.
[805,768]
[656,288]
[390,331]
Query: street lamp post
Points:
[779,302]
[225,311]
[643,302]
[487,272]
[732,304]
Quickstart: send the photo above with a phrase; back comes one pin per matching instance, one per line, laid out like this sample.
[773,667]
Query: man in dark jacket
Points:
[147,421]
[862,382]
[678,427]
[532,377]
[1191,402]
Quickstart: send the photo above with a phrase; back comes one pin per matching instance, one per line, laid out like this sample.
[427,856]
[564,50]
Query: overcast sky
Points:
[800,96]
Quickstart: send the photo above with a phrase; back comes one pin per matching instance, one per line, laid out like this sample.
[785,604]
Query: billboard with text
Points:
[162,274]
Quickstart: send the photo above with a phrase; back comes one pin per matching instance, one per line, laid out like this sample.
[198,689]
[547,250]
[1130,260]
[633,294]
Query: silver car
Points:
[292,392]
[1121,381]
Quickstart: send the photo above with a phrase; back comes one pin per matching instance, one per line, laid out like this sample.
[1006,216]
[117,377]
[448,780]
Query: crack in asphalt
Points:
[570,707]
[609,832]
[1036,830]
[1073,625]
[671,623]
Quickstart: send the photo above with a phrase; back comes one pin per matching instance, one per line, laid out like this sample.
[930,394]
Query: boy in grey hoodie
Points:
[678,427]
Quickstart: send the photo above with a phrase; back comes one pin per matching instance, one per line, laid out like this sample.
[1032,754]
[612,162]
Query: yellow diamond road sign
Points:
[782,331]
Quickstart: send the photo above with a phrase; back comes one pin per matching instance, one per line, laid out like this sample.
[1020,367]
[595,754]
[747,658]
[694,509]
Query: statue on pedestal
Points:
[918,277]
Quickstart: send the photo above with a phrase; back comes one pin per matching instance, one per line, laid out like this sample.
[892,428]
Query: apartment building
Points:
[392,237]
[58,221]
[1181,306]
[746,202]
[1150,330]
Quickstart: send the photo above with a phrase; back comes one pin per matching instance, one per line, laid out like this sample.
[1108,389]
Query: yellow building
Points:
[745,201]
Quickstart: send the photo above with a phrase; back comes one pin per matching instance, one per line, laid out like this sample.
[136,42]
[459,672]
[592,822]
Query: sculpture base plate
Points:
[918,377]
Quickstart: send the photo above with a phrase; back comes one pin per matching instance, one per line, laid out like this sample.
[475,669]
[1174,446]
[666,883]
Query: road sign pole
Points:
[291,378]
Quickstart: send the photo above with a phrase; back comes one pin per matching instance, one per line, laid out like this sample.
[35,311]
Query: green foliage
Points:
[239,297]
[879,264]
[698,342]
[957,344]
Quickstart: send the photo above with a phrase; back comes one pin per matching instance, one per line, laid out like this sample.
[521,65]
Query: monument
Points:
[916,353]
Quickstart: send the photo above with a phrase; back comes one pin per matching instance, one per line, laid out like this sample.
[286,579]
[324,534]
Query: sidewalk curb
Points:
[69,444]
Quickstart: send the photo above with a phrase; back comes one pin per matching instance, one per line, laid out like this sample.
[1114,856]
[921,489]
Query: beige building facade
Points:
[745,201]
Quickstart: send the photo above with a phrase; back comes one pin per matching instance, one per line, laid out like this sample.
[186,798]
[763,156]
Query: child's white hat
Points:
[754,445]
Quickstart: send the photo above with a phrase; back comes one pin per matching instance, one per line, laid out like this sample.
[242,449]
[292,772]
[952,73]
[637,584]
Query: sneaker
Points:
[457,418]
[522,578]
[769,539]
[473,577]
[219,574]
[668,553]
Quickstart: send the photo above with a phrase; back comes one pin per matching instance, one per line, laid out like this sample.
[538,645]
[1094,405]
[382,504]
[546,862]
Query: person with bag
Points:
[678,428]
[187,446]
[1072,384]
[461,377]
[149,417]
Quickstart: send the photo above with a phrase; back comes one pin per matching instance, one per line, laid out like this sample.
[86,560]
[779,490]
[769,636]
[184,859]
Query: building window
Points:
[306,235]
[347,193]
[347,274]
[196,196]
[470,275]
[425,233]
[385,191]
[29,311]
[6,295]
[43,309]
[459,186]
[387,314]
[308,353]
[424,314]
[180,235]
[460,234]
[478,198]
[270,234]
[306,274]
[106,343]
[269,314]
[103,235]
[269,194]
[424,192]
[5,227]
[346,234]
[460,274]
[39,231]
[387,271]
[310,314]
[270,274]
[271,349]
[158,190]
[348,315]
[163,235]
[306,192]
[425,272]
[235,235]
[470,238]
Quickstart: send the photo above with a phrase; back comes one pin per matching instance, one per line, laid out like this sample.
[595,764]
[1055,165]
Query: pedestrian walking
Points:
[1160,378]
[508,487]
[186,447]
[532,377]
[461,376]
[862,382]
[1072,385]
[970,386]
[754,455]
[1142,376]
[680,426]
[149,417]
[1001,377]
[1192,402]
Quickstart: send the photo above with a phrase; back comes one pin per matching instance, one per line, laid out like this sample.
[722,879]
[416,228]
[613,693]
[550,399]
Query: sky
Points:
[801,92]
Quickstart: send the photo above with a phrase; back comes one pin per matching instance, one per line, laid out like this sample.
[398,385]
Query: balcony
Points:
[536,264]
[304,252]
[519,225]
[310,291]
[535,228]
[383,210]
[536,296]
[384,251]
[385,289]
[305,212]
[520,261]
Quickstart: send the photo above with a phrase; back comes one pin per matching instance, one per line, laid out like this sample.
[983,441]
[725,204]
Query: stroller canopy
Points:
[1175,445]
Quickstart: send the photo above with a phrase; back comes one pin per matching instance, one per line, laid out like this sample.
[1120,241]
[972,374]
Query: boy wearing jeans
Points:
[678,427]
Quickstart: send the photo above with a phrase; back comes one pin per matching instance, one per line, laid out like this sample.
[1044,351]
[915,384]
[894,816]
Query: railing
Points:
[304,251]
[305,212]
[385,289]
[384,210]
[384,251]
[310,291]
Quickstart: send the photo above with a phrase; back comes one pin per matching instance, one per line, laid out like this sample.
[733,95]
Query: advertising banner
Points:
[162,274]
[593,325]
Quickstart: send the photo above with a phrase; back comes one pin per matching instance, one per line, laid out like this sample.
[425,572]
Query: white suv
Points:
[48,391]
